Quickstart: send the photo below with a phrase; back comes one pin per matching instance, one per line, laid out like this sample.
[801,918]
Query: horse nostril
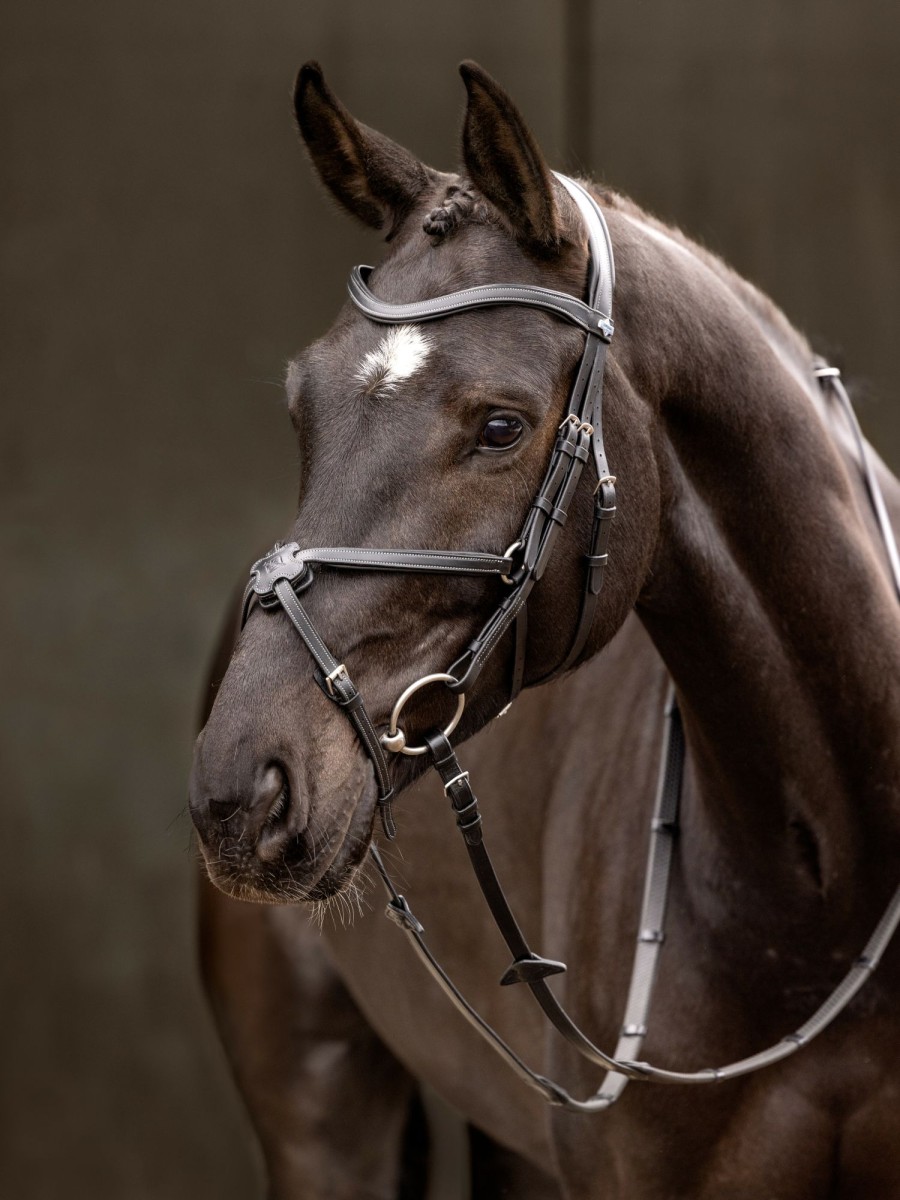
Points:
[272,803]
[273,796]
[223,810]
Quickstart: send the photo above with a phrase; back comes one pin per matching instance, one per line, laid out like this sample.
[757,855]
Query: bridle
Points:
[280,578]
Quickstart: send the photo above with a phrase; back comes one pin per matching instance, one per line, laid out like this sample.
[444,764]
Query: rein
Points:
[280,578]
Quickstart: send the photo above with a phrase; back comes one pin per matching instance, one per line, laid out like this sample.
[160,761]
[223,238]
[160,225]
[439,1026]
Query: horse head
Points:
[416,435]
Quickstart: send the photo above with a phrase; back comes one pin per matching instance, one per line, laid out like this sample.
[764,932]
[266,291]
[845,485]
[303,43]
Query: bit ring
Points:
[395,739]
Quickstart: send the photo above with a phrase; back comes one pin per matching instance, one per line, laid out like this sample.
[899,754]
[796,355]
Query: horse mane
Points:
[464,205]
[758,304]
[461,205]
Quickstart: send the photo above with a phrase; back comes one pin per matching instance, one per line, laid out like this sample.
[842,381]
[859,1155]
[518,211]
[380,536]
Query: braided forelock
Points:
[461,205]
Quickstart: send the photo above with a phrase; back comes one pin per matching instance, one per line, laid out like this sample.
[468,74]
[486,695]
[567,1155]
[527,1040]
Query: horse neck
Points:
[770,607]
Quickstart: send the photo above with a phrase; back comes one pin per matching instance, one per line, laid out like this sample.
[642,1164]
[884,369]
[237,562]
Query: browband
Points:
[593,319]
[571,309]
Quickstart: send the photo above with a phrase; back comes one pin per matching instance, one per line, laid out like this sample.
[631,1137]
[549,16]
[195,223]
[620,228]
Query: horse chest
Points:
[413,1017]
[552,860]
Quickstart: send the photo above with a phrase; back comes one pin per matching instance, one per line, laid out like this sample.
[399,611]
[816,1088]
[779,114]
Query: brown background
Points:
[164,251]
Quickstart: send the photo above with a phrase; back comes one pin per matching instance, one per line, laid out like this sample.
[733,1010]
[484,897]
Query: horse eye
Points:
[500,433]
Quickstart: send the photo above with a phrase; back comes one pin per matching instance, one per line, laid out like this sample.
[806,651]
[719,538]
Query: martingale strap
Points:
[532,969]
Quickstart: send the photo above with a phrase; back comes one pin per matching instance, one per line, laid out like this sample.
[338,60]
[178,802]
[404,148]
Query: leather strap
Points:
[530,968]
[602,268]
[831,384]
[560,304]
[623,1066]
[435,562]
[337,685]
[600,289]
[292,562]
[595,568]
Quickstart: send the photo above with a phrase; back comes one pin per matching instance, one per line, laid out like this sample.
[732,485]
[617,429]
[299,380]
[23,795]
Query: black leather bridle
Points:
[279,579]
[282,576]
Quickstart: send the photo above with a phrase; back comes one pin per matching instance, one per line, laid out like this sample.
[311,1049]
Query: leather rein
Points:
[278,580]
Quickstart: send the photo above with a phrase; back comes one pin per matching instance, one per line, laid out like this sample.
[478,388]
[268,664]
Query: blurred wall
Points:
[164,251]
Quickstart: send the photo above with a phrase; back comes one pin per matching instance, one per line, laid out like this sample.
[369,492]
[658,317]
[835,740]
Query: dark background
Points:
[165,249]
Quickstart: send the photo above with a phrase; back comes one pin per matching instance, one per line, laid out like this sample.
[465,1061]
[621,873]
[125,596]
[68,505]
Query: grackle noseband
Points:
[280,578]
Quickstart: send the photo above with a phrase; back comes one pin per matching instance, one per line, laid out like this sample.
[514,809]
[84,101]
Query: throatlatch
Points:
[278,580]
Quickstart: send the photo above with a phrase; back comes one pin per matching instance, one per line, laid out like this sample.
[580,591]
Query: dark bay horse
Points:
[744,565]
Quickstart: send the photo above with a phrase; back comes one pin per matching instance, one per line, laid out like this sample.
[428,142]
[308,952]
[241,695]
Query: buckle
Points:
[456,779]
[339,672]
[506,554]
[610,479]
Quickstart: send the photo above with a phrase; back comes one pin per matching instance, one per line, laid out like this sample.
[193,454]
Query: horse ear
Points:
[372,177]
[505,162]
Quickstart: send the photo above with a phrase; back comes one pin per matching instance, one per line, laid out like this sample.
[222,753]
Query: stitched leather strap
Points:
[437,562]
[292,562]
[602,278]
[560,304]
[589,383]
[530,968]
[339,687]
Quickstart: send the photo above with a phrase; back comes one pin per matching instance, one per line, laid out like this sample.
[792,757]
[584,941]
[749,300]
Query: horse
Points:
[745,572]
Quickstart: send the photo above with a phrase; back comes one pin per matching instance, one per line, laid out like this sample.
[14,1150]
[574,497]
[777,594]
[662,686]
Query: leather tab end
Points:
[401,914]
[529,970]
[387,818]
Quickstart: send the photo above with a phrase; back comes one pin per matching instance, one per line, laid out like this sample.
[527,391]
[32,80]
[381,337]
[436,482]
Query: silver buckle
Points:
[456,778]
[339,672]
[611,479]
[506,553]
